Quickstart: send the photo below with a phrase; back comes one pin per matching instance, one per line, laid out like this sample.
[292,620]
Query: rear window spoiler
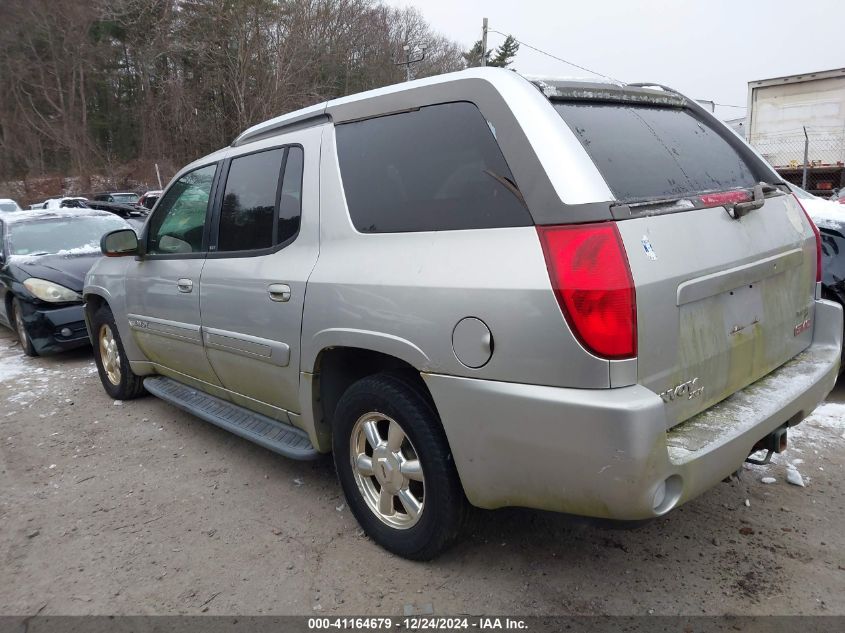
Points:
[642,94]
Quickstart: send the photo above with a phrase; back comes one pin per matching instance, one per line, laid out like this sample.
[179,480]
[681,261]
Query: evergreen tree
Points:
[501,59]
[505,53]
[472,57]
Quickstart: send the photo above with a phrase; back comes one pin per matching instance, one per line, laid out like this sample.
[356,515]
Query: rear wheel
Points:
[395,467]
[117,377]
[20,328]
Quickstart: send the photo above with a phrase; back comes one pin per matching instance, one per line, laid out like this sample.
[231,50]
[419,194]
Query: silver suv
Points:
[476,289]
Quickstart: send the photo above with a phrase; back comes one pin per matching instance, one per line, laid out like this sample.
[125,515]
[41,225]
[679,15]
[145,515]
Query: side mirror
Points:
[119,243]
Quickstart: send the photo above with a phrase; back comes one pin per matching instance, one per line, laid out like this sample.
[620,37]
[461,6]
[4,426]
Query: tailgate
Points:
[722,299]
[721,302]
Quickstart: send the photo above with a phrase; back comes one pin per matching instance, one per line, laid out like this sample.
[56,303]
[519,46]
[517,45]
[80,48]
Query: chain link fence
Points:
[825,157]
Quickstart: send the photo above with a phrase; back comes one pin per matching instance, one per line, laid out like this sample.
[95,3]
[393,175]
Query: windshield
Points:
[71,236]
[652,153]
[8,206]
[125,198]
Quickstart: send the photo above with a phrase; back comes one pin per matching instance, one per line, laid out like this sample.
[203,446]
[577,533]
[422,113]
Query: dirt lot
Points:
[137,508]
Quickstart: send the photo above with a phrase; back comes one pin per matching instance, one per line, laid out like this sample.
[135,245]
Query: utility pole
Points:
[806,157]
[408,61]
[484,43]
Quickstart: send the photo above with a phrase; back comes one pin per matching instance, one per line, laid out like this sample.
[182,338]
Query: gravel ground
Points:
[137,508]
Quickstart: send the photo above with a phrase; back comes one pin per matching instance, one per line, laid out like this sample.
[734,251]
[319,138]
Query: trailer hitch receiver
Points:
[774,442]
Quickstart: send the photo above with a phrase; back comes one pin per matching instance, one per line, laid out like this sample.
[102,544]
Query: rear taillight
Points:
[818,239]
[591,278]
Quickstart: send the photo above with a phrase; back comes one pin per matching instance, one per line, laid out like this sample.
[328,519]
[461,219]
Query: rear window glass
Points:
[438,168]
[646,152]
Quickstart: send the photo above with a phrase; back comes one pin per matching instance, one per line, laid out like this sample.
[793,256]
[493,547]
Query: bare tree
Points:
[98,85]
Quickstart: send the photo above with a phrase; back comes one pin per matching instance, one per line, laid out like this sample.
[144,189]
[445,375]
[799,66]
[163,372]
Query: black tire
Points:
[444,507]
[129,385]
[20,329]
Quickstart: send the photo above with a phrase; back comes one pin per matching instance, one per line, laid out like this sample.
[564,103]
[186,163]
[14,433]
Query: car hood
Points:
[66,270]
[824,212]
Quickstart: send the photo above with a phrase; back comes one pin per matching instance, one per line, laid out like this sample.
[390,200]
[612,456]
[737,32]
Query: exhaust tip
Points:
[666,494]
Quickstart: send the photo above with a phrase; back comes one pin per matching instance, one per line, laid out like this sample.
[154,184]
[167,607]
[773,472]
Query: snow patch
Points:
[11,367]
[830,415]
[822,428]
[793,476]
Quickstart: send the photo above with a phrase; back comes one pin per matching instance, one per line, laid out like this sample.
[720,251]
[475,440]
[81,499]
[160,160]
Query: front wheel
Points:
[20,328]
[118,379]
[396,469]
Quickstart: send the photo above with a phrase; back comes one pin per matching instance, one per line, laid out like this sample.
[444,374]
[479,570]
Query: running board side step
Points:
[276,436]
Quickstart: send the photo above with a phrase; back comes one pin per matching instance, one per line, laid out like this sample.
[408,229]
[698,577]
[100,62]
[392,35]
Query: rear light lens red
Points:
[592,281]
[818,239]
[725,197]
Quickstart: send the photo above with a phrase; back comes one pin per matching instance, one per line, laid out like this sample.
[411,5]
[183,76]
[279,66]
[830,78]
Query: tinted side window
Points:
[290,202]
[249,201]
[177,225]
[435,169]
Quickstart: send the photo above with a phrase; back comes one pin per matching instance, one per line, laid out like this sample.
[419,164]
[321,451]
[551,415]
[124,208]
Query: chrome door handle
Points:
[185,285]
[279,292]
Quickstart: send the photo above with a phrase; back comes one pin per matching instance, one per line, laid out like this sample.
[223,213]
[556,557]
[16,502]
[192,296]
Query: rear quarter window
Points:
[649,152]
[438,168]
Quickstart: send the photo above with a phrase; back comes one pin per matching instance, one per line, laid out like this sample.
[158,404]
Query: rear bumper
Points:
[606,452]
[55,329]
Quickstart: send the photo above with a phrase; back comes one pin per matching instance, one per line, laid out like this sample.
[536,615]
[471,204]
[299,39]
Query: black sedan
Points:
[118,208]
[43,261]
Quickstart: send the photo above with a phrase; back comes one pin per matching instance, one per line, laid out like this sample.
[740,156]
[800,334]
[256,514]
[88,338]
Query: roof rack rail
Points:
[315,115]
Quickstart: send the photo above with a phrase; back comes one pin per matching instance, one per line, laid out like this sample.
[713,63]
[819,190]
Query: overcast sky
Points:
[706,49]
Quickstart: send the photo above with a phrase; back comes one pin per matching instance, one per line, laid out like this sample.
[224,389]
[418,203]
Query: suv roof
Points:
[519,116]
[530,132]
[384,100]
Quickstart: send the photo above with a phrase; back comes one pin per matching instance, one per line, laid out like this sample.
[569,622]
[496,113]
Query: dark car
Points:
[832,234]
[122,197]
[43,261]
[118,208]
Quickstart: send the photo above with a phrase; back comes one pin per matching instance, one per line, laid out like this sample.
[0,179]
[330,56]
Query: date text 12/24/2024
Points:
[418,623]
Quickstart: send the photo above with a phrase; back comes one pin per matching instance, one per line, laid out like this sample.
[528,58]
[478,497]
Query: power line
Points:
[565,61]
[560,59]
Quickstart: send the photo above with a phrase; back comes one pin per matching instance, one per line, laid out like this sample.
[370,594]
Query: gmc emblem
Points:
[801,327]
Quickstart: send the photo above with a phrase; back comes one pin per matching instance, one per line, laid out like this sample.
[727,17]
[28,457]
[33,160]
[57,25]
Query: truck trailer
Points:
[788,115]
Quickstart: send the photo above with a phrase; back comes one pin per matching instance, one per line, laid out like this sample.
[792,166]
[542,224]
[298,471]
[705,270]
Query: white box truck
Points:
[780,110]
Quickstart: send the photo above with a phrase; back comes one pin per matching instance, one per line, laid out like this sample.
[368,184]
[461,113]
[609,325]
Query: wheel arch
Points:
[336,368]
[94,298]
[93,302]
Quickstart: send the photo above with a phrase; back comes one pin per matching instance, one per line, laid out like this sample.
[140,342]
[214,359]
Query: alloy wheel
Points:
[387,470]
[109,354]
